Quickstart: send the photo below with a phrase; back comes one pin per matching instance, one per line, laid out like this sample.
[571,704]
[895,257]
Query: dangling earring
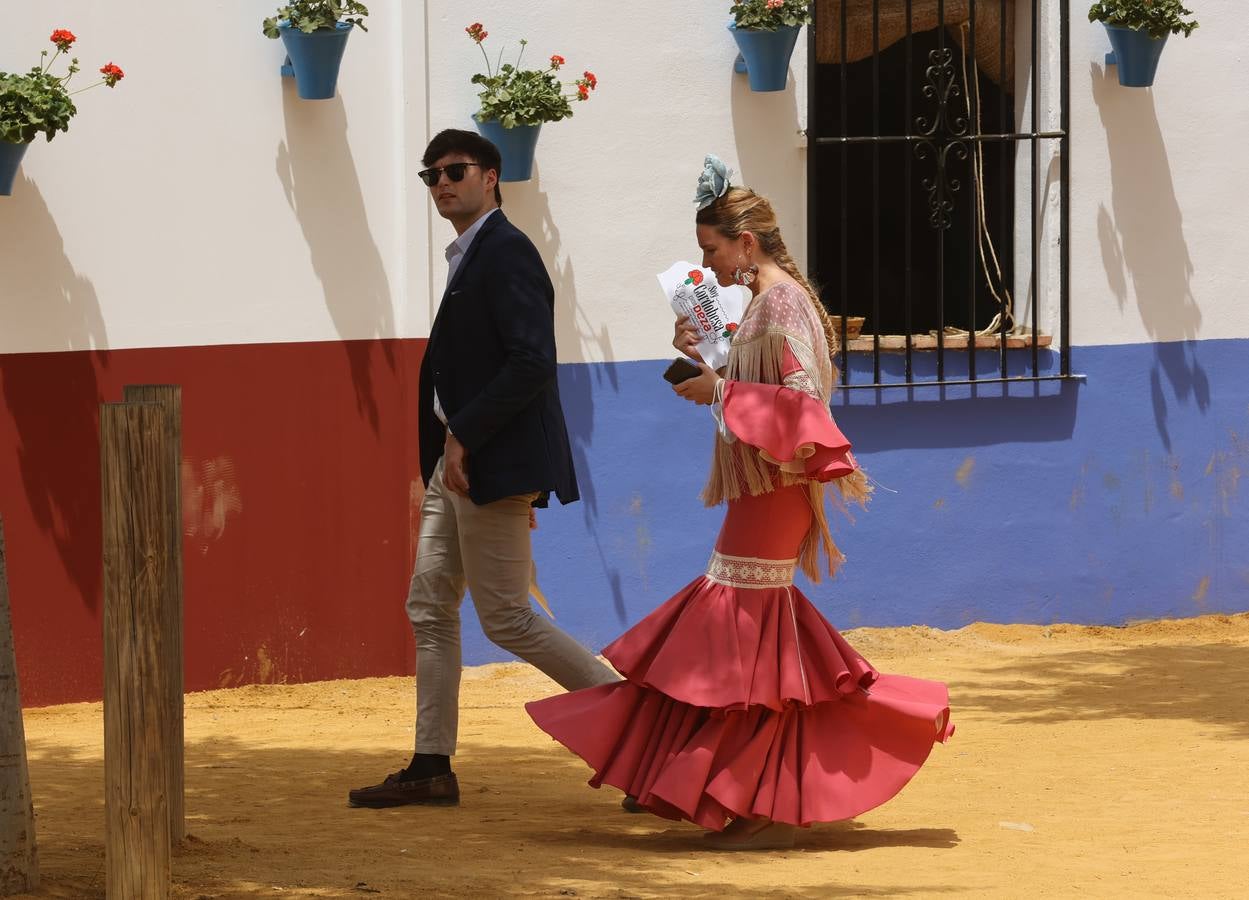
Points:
[745,276]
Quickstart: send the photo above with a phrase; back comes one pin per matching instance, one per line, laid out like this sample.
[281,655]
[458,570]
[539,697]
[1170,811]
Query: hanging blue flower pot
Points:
[10,158]
[313,59]
[1136,55]
[516,146]
[766,55]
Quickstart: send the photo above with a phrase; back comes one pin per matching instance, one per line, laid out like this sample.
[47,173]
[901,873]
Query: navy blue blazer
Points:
[491,355]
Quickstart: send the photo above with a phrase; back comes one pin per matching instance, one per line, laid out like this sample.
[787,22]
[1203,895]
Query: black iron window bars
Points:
[895,100]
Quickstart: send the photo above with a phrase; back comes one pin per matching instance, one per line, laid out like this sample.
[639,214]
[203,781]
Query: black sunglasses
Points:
[455,172]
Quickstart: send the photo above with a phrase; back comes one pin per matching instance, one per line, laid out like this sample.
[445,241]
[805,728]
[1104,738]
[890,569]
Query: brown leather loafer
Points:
[441,790]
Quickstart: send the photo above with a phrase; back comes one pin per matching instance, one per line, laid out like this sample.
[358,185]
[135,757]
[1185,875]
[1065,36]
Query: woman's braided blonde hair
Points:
[740,210]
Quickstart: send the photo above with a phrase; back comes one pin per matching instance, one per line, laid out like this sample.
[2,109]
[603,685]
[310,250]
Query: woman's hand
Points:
[700,389]
[685,338]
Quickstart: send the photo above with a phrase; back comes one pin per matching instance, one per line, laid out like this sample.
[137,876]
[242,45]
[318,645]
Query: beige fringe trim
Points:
[738,468]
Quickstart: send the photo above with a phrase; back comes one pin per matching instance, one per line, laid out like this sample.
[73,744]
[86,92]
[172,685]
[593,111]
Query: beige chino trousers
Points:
[486,549]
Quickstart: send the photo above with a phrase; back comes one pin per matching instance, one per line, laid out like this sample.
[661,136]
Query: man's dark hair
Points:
[472,145]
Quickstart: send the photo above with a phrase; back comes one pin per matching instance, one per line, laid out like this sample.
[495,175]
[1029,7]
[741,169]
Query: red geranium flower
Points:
[62,38]
[112,74]
[502,99]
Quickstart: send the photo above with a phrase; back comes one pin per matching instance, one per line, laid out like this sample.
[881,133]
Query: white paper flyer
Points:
[715,311]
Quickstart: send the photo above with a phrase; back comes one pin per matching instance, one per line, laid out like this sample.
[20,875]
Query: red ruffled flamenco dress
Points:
[739,698]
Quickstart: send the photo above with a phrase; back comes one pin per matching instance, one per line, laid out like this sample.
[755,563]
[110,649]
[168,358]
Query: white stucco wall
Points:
[611,201]
[202,203]
[1158,212]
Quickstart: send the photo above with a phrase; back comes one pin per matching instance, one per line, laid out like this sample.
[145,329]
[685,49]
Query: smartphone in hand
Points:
[681,369]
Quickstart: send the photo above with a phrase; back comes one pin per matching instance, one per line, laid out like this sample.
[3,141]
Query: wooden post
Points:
[170,399]
[135,507]
[19,863]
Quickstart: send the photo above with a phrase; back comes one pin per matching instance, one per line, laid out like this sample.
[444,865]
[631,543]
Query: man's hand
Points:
[455,466]
[700,389]
[685,338]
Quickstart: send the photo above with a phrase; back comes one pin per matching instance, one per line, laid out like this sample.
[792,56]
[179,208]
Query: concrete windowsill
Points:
[896,343]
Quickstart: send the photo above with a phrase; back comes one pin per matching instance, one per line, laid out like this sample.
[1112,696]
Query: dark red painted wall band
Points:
[300,480]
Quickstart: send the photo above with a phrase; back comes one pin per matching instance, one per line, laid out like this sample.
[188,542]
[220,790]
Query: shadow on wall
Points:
[1142,241]
[319,179]
[1179,363]
[766,132]
[53,399]
[982,416]
[528,208]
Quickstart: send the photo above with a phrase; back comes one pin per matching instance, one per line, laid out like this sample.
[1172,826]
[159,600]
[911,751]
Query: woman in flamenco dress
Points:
[742,709]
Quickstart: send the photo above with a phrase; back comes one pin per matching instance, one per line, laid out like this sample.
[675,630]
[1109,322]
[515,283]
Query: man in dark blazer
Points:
[493,446]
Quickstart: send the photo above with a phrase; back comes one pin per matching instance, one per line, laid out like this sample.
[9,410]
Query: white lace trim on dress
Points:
[750,571]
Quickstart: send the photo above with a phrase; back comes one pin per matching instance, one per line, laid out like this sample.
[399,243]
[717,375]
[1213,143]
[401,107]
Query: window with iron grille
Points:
[938,168]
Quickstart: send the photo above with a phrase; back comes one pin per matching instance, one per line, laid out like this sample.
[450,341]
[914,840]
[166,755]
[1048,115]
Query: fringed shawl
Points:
[779,318]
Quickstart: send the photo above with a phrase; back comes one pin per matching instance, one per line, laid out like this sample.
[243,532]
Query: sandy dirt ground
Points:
[1088,762]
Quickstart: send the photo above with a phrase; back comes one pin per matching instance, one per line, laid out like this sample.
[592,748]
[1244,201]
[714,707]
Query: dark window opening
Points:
[925,166]
[958,260]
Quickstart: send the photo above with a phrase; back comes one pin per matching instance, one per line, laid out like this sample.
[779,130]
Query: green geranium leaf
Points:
[516,97]
[1158,18]
[33,104]
[314,15]
[755,15]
